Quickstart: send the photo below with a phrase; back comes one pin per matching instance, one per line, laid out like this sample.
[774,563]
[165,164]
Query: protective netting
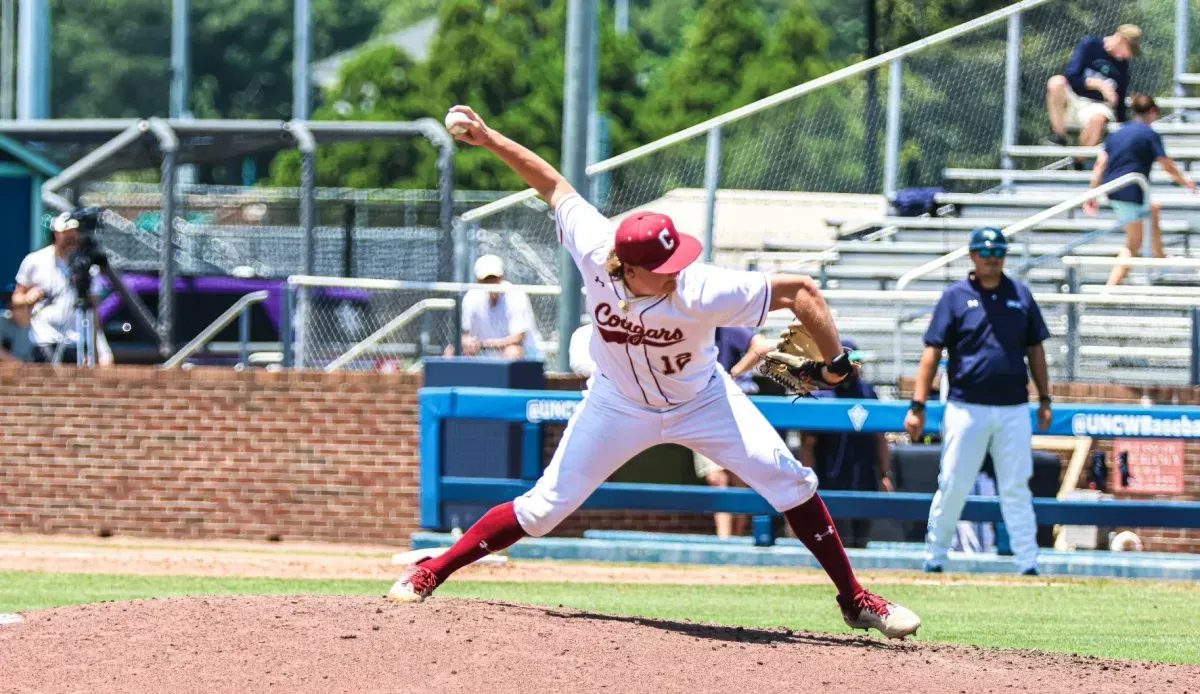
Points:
[387,234]
[832,140]
[390,326]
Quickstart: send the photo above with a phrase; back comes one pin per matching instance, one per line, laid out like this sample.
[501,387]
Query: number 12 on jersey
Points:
[681,360]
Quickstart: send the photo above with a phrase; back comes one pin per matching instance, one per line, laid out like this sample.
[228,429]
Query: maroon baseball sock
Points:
[813,525]
[497,529]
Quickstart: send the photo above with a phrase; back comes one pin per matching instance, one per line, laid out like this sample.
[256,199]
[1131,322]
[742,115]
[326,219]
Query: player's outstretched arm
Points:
[801,295]
[537,172]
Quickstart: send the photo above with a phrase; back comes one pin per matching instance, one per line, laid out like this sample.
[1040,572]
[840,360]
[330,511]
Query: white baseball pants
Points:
[969,432]
[607,430]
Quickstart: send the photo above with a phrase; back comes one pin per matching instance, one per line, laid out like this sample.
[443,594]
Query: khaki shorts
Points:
[704,466]
[1081,109]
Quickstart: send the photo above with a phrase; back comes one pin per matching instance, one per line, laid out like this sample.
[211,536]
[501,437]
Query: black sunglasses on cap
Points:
[992,252]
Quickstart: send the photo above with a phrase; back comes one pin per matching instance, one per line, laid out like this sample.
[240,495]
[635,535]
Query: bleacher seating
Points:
[1132,345]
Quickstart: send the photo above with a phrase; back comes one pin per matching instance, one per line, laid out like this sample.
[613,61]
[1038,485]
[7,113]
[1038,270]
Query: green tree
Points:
[796,52]
[705,78]
[111,58]
[505,59]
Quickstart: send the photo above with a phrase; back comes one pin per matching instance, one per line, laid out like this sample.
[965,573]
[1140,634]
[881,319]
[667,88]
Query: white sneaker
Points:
[414,585]
[869,611]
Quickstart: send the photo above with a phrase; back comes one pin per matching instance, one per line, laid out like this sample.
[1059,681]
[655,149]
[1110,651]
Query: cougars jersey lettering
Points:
[657,350]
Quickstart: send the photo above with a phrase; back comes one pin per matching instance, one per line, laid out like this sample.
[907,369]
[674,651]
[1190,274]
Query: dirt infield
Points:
[364,644]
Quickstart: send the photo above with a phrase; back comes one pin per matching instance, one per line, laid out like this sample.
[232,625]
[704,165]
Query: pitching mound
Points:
[360,644]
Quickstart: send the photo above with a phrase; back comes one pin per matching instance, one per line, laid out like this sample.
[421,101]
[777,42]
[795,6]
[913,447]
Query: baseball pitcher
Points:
[655,311]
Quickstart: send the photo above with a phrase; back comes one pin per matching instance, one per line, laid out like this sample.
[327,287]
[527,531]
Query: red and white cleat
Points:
[414,585]
[869,611]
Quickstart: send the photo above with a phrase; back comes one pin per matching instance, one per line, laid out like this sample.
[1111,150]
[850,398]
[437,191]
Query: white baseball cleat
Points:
[869,611]
[414,585]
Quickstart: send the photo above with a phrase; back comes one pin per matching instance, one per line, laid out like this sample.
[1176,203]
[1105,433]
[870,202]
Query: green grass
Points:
[1120,619]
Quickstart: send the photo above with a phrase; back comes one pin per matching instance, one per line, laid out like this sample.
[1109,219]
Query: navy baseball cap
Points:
[987,237]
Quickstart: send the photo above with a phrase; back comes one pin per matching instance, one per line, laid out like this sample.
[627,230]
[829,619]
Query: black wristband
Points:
[841,364]
[916,406]
[1044,400]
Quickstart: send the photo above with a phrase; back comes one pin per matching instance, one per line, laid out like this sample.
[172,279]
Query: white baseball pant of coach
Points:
[969,432]
[608,429]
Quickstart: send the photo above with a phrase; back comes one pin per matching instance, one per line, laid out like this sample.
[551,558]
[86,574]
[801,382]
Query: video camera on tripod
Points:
[88,251]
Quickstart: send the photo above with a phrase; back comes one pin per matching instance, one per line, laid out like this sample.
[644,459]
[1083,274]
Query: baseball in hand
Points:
[456,123]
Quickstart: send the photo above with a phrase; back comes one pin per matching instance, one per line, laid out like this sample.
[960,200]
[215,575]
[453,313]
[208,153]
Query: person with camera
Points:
[44,299]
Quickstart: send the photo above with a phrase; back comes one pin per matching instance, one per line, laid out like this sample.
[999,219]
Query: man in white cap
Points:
[500,323]
[44,298]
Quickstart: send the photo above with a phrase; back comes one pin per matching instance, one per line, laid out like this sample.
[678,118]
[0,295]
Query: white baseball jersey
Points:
[511,314]
[658,351]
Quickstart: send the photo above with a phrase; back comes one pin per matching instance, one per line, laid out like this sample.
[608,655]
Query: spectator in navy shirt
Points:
[850,461]
[1091,91]
[989,324]
[738,351]
[1133,149]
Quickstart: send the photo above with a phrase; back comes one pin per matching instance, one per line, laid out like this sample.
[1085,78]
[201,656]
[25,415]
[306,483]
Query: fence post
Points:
[1181,43]
[898,345]
[244,337]
[285,324]
[1195,380]
[1072,325]
[891,155]
[1012,91]
[712,175]
[303,297]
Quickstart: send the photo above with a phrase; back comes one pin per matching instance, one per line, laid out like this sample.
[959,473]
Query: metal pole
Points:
[349,213]
[581,17]
[1012,96]
[1181,43]
[622,16]
[1072,325]
[7,31]
[307,145]
[285,324]
[871,137]
[1195,380]
[712,174]
[898,345]
[301,50]
[244,337]
[33,61]
[180,68]
[892,139]
[168,143]
[447,260]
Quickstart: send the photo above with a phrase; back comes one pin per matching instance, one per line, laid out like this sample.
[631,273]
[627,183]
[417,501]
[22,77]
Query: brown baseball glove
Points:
[797,364]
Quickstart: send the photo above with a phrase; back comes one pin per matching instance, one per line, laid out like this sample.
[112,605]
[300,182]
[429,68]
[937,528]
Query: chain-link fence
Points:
[387,234]
[392,325]
[841,134]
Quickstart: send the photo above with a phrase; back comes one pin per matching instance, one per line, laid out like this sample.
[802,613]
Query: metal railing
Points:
[1027,224]
[237,310]
[893,59]
[411,313]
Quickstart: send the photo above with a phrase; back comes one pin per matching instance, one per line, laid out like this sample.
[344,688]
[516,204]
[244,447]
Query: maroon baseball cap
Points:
[649,240]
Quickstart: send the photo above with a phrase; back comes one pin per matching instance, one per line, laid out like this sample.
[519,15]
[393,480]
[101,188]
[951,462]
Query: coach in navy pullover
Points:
[989,323]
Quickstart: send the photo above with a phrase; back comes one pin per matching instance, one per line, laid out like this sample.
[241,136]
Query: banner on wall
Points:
[1155,466]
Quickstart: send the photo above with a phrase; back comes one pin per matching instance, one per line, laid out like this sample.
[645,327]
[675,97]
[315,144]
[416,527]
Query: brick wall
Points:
[1155,539]
[212,453]
[208,453]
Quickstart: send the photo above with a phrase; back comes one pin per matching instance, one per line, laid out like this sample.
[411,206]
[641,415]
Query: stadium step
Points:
[1038,201]
[1064,176]
[1059,152]
[1055,224]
